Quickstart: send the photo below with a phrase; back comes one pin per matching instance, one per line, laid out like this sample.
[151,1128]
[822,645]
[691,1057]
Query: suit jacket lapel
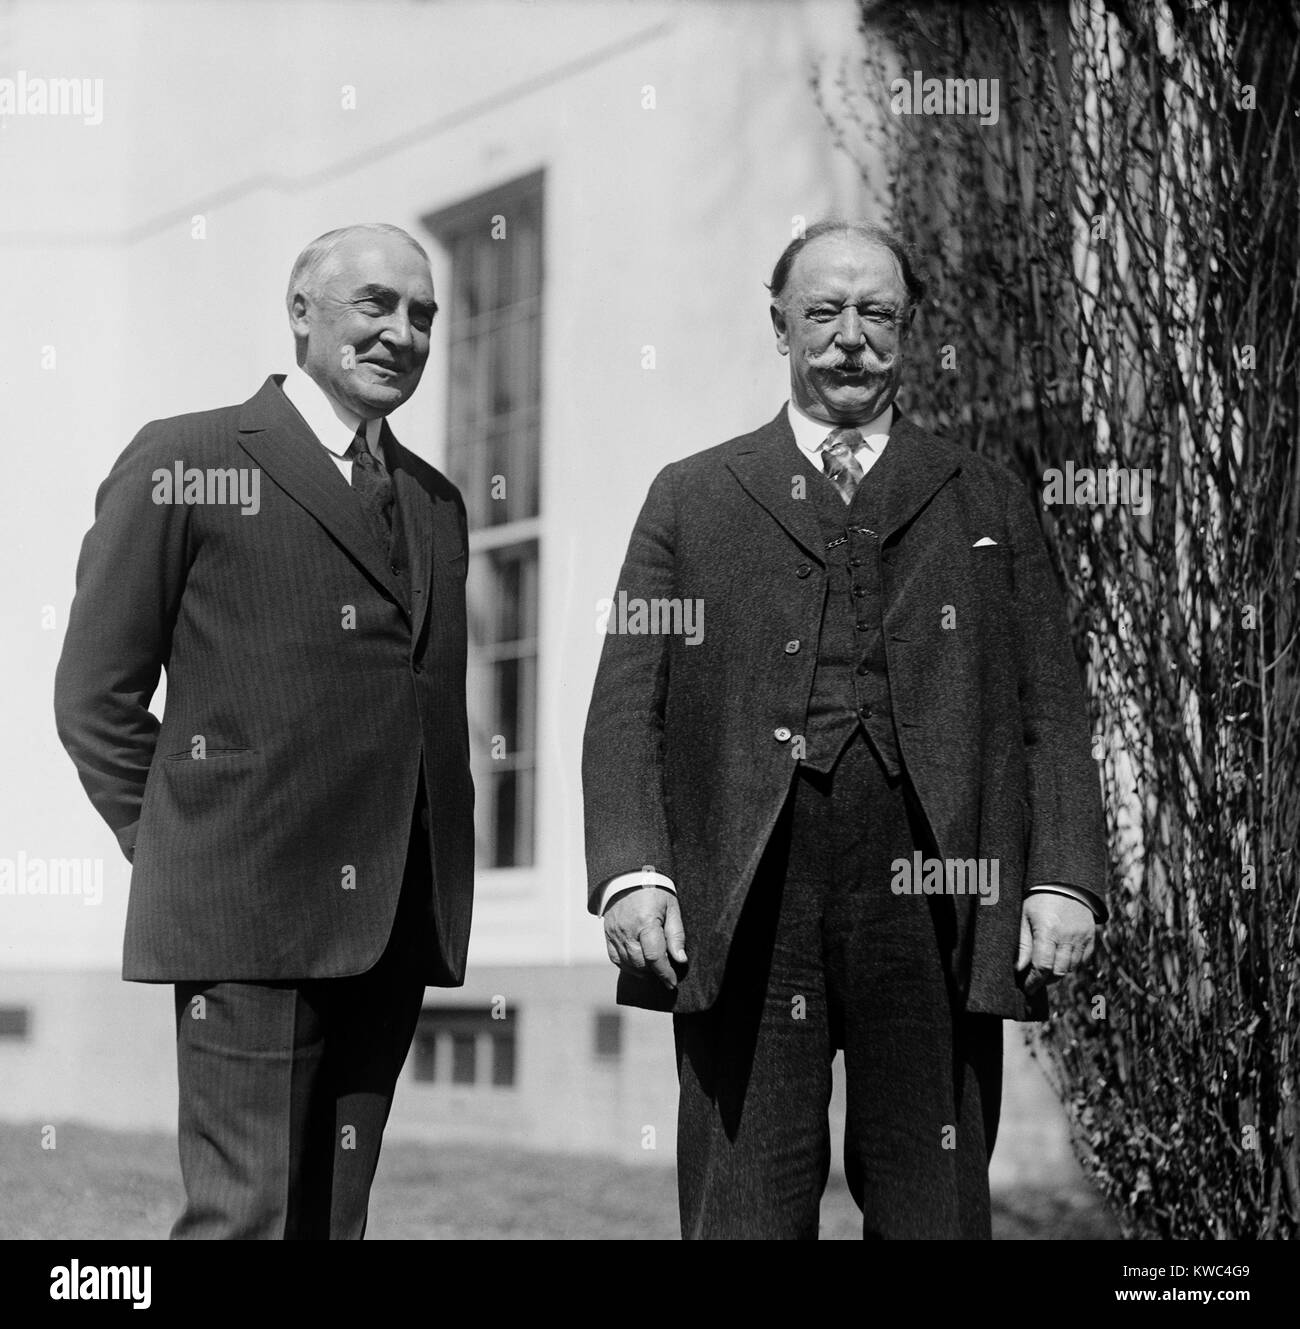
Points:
[766,463]
[415,520]
[912,469]
[279,441]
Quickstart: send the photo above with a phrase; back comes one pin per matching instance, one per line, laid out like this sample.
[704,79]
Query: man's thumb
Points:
[1026,942]
[674,932]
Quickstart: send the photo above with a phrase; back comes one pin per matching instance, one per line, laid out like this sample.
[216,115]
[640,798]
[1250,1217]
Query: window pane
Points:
[494,313]
[14,1021]
[449,1041]
[463,1057]
[502,695]
[609,1034]
[503,1060]
[424,1057]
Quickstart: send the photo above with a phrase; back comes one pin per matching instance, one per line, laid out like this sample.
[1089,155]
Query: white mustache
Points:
[868,365]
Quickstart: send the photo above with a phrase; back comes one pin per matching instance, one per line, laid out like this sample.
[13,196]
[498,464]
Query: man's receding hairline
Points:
[843,228]
[318,257]
[847,234]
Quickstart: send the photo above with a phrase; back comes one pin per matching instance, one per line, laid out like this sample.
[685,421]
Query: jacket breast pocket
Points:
[991,581]
[991,562]
[201,752]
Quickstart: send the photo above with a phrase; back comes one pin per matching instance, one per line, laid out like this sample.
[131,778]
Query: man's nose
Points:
[397,329]
[850,332]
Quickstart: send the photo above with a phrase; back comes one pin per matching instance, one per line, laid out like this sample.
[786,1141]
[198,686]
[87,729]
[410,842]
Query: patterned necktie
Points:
[840,464]
[373,486]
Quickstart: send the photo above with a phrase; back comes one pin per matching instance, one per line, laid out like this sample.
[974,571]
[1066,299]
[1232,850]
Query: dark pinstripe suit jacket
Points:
[683,764]
[317,688]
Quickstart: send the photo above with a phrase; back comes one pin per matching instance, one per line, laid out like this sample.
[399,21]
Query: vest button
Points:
[863,627]
[864,668]
[781,734]
[859,591]
[855,562]
[791,647]
[803,570]
[865,712]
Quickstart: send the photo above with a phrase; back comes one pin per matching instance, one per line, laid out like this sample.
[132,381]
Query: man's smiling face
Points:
[842,319]
[365,320]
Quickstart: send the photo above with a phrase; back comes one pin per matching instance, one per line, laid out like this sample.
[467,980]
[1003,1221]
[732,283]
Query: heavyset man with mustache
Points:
[300,823]
[886,671]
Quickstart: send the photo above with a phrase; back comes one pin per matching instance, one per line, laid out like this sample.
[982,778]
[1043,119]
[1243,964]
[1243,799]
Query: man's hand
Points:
[1057,935]
[643,930]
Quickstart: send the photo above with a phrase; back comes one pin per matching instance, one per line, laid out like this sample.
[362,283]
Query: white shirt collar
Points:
[810,434]
[334,425]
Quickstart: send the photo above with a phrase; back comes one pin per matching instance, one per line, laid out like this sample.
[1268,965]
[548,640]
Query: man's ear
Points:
[298,319]
[779,327]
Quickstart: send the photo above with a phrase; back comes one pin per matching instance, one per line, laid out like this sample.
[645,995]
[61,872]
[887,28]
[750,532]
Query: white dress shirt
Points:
[334,426]
[810,434]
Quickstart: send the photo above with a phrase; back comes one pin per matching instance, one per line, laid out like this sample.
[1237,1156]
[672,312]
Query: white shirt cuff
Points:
[1072,892]
[625,880]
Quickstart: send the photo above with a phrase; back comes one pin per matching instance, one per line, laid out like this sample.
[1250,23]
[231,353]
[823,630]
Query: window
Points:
[609,1035]
[494,315]
[464,1045]
[15,1022]
[503,1060]
[464,1056]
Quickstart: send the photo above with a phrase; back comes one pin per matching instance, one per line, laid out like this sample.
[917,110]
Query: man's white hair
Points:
[310,266]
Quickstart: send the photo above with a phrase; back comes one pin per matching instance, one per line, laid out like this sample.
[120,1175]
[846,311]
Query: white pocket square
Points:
[982,542]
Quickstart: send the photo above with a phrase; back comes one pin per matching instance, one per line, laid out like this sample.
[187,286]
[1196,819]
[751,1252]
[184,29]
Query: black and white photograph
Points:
[631,620]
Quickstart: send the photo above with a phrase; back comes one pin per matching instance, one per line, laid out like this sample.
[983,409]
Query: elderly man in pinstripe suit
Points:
[300,820]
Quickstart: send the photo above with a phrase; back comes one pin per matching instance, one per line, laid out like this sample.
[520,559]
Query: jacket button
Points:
[859,591]
[803,570]
[791,647]
[863,627]
[781,734]
[865,712]
[864,668]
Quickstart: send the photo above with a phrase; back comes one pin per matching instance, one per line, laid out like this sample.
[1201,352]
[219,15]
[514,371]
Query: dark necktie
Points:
[374,487]
[840,464]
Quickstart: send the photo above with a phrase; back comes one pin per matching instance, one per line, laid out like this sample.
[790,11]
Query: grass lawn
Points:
[100,1183]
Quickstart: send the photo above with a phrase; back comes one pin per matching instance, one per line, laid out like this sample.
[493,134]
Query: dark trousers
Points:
[285,1088]
[826,957]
